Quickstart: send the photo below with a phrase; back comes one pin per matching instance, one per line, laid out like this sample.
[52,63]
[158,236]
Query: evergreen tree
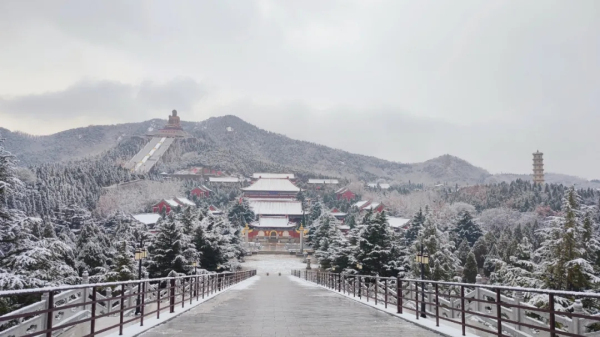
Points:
[480,251]
[467,228]
[463,251]
[377,250]
[470,269]
[241,213]
[416,225]
[168,250]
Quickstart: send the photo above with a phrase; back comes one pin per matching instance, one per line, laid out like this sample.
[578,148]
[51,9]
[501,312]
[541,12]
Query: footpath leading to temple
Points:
[281,306]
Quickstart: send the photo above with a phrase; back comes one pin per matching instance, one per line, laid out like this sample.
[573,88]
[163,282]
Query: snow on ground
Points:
[273,263]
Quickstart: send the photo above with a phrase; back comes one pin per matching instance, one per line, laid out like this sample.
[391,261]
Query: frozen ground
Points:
[273,263]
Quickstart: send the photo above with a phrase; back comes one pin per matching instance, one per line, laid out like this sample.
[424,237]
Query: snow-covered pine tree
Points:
[566,265]
[442,262]
[463,251]
[240,213]
[466,228]
[94,251]
[377,250]
[168,249]
[480,250]
[470,269]
[416,224]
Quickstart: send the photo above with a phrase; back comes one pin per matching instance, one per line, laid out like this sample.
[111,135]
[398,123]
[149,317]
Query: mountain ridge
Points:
[231,138]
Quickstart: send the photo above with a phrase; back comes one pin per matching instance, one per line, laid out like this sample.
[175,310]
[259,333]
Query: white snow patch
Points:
[247,283]
[273,263]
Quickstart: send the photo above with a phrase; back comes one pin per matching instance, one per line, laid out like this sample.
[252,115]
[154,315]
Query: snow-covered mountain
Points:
[230,143]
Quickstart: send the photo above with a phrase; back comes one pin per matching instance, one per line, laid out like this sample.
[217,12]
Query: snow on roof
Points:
[339,213]
[171,202]
[323,181]
[224,179]
[384,186]
[372,185]
[273,176]
[397,222]
[273,222]
[343,227]
[279,185]
[373,205]
[147,218]
[185,201]
[276,207]
[361,203]
[204,188]
[342,190]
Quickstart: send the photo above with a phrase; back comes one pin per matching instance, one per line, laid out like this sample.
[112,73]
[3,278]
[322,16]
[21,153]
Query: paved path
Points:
[279,306]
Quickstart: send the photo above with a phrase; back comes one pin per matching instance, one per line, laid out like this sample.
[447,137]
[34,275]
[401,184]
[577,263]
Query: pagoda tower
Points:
[538,168]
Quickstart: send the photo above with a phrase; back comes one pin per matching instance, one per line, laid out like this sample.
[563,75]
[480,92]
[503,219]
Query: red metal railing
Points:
[156,296]
[494,310]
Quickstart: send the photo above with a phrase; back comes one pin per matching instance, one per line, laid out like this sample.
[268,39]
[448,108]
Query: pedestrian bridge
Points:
[300,303]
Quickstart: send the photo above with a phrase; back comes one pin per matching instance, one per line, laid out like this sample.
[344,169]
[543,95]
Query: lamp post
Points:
[195,265]
[140,254]
[422,259]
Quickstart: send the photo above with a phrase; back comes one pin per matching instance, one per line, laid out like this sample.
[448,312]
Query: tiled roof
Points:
[397,222]
[276,207]
[147,218]
[276,185]
[185,201]
[224,179]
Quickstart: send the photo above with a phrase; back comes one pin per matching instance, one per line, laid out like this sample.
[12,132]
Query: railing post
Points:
[203,285]
[385,286]
[516,316]
[158,300]
[576,326]
[172,296]
[50,313]
[182,282]
[376,289]
[359,288]
[437,306]
[93,321]
[142,305]
[463,310]
[399,295]
[122,311]
[499,312]
[85,291]
[552,317]
[339,277]
[354,286]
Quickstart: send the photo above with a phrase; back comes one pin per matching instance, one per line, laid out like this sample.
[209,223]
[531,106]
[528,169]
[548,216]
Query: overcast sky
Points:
[488,81]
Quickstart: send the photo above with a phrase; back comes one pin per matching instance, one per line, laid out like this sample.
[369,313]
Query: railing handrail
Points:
[478,285]
[47,317]
[490,311]
[4,293]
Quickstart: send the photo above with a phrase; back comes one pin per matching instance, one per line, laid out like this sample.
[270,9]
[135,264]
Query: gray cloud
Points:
[107,98]
[490,81]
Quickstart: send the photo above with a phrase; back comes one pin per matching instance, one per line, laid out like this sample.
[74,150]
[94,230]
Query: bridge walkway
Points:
[283,306]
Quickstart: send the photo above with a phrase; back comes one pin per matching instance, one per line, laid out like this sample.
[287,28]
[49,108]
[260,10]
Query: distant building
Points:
[271,188]
[366,205]
[196,173]
[274,229]
[345,194]
[224,180]
[148,219]
[338,214]
[320,183]
[212,210]
[167,205]
[289,176]
[201,192]
[538,167]
[274,207]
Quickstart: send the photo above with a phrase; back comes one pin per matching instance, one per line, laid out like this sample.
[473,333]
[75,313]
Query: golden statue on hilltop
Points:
[174,121]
